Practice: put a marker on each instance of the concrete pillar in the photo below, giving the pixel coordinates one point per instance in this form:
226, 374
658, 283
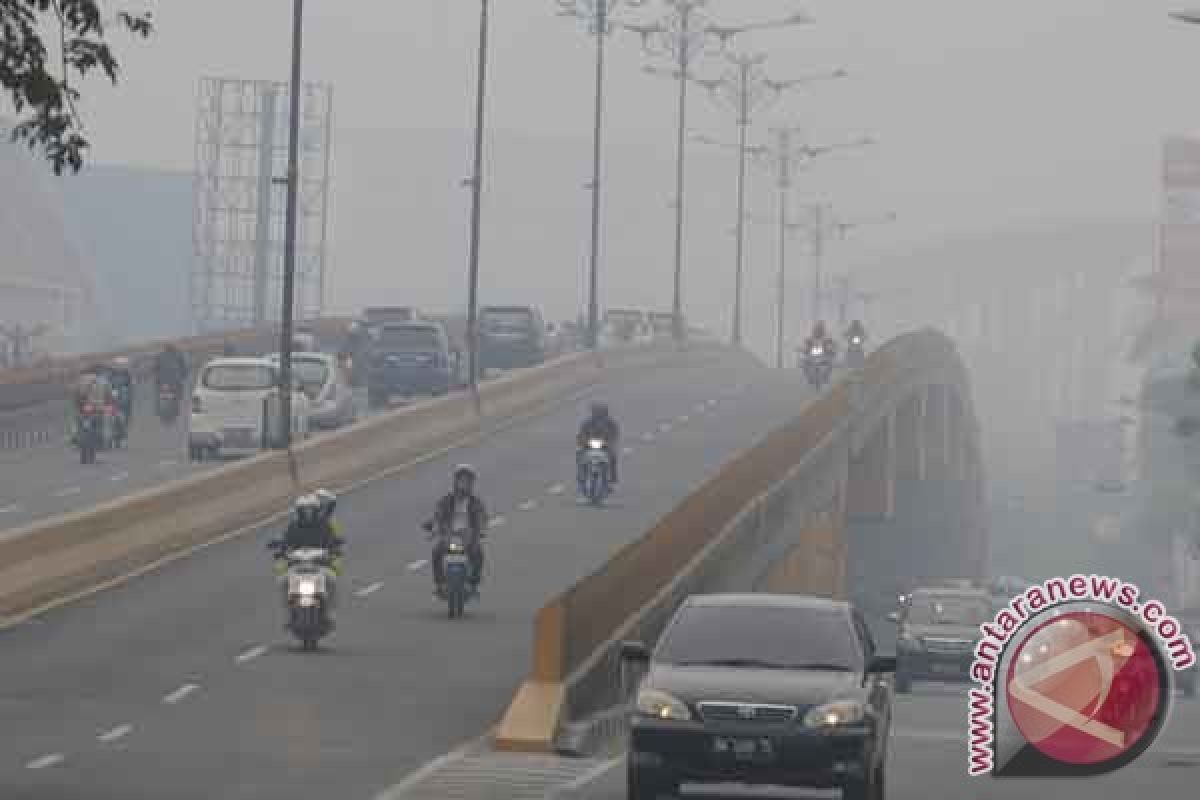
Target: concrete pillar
871, 487
910, 439
937, 434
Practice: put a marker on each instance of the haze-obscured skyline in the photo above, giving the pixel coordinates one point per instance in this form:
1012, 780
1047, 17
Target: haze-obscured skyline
986, 118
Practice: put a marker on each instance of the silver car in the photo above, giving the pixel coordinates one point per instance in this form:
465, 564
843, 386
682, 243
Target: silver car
327, 389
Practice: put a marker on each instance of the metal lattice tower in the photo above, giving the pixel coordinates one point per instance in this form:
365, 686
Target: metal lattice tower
240, 191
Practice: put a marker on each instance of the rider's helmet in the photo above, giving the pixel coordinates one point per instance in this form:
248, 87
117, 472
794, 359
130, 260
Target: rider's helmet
464, 478
306, 509
327, 501
819, 330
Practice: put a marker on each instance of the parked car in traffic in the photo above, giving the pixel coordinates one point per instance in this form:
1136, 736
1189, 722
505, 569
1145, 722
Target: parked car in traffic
511, 337
783, 690
409, 359
230, 407
325, 384
937, 630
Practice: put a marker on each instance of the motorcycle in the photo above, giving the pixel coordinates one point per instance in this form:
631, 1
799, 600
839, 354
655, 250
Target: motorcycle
597, 471
456, 566
168, 404
817, 366
308, 579
856, 355
119, 419
89, 434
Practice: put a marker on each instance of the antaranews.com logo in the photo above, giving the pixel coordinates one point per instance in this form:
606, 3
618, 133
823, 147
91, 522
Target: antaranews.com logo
1074, 678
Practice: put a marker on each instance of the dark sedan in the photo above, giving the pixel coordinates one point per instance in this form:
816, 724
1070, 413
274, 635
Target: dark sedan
761, 689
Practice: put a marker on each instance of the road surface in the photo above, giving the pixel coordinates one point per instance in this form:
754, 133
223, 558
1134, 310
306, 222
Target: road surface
182, 683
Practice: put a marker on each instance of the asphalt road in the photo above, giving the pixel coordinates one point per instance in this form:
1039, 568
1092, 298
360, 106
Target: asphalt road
182, 683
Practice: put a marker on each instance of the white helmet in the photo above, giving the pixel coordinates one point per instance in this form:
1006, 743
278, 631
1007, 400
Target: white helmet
306, 508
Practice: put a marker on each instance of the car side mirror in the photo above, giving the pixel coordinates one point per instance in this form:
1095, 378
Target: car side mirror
634, 653
893, 616
882, 664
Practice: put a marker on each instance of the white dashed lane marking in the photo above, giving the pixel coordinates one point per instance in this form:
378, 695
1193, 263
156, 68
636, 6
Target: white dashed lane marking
45, 761
252, 653
647, 437
120, 476
10, 509
416, 565
116, 733
626, 451
528, 505
496, 522
557, 488
67, 492
180, 693
366, 590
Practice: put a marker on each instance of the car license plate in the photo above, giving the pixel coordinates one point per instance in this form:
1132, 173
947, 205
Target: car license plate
456, 559
742, 749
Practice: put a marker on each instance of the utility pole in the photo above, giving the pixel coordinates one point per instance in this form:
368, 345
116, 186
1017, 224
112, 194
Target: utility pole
682, 35
476, 184
745, 89
289, 245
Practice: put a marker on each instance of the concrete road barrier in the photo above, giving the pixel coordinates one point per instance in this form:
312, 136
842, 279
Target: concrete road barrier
46, 561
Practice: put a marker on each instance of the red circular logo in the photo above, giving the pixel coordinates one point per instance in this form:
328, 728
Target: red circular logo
1085, 688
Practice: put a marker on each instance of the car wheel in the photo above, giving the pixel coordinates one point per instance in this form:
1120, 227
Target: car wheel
640, 785
869, 789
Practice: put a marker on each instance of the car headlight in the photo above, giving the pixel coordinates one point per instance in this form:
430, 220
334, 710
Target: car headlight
306, 588
837, 714
660, 705
455, 547
596, 444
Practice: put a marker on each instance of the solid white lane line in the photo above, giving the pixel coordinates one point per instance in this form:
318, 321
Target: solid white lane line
67, 492
416, 565
115, 733
372, 589
528, 505
591, 775
496, 522
252, 653
45, 761
180, 693
120, 476
557, 488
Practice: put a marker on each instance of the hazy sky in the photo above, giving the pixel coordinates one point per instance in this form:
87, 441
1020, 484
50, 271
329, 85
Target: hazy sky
986, 114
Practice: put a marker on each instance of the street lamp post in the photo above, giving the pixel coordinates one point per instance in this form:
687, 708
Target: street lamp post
783, 157
682, 35
289, 245
476, 184
747, 90
822, 225
598, 15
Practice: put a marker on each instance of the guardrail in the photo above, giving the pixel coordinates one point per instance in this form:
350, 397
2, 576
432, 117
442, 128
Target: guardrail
44, 562
799, 466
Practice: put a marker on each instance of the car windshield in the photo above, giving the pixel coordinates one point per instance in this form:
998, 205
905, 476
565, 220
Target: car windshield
761, 637
949, 610
413, 338
239, 377
511, 319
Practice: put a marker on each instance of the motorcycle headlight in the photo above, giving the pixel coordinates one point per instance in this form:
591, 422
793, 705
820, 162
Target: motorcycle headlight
660, 705
818, 351
596, 444
306, 588
835, 715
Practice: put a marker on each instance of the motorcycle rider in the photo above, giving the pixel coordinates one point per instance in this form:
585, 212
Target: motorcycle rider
328, 503
600, 425
310, 528
856, 330
462, 512
171, 369
90, 389
120, 378
820, 336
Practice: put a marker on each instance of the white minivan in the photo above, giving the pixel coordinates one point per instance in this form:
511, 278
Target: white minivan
229, 405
